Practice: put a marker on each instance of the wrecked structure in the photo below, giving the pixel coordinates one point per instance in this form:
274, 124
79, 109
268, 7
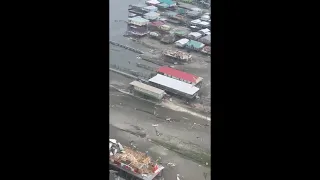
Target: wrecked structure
194, 35
206, 50
152, 16
168, 38
132, 164
194, 45
137, 26
137, 9
206, 39
155, 25
178, 55
182, 42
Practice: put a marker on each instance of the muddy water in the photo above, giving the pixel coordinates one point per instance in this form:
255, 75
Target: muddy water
120, 56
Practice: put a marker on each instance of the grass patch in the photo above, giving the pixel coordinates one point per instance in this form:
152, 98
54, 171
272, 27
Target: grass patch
198, 157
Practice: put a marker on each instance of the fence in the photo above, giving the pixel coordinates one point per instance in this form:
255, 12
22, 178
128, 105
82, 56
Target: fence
126, 47
146, 67
138, 75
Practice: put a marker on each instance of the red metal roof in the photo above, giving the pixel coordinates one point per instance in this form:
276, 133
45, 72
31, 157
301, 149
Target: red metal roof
178, 74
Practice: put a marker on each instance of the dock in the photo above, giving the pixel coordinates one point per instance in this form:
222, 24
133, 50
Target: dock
126, 47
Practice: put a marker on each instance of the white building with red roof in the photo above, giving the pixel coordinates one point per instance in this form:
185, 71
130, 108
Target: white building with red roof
180, 75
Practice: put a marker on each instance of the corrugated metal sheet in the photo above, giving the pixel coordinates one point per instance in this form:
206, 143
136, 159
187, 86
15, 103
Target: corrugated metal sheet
150, 8
138, 19
197, 21
168, 2
174, 84
163, 5
183, 41
195, 34
195, 44
157, 23
178, 74
153, 2
152, 14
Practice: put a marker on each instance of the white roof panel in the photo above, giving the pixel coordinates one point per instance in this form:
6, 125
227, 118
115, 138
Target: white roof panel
153, 1
183, 41
204, 23
174, 84
147, 87
205, 30
196, 34
196, 21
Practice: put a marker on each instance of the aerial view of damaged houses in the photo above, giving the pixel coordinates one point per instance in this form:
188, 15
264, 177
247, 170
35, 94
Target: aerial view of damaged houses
159, 89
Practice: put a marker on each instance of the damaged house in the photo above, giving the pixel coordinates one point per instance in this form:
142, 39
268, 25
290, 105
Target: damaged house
138, 26
194, 45
152, 16
195, 35
168, 38
182, 42
206, 39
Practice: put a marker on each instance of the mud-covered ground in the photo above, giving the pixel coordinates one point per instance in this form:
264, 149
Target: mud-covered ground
185, 137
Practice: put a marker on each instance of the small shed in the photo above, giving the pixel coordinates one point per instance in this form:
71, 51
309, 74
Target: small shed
152, 16
181, 33
132, 15
139, 21
193, 13
171, 14
170, 3
137, 6
150, 9
205, 18
162, 19
162, 6
206, 39
204, 24
165, 27
182, 42
182, 11
204, 31
195, 22
194, 45
194, 35
197, 9
155, 35
168, 39
156, 23
152, 2
206, 50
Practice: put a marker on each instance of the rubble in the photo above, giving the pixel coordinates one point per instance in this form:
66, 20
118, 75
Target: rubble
178, 54
171, 164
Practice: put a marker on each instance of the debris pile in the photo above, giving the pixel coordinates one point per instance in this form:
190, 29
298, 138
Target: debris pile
139, 161
178, 55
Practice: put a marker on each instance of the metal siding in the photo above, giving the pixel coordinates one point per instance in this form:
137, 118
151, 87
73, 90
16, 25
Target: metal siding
174, 84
